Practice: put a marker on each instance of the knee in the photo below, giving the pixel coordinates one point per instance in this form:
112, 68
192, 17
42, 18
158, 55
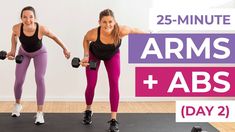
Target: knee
19, 82
114, 89
40, 80
91, 85
90, 88
114, 82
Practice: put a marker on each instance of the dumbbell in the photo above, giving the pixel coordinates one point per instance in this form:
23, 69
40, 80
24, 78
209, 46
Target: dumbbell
197, 129
76, 63
3, 55
18, 59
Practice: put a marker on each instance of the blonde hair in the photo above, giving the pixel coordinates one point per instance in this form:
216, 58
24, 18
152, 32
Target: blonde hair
115, 33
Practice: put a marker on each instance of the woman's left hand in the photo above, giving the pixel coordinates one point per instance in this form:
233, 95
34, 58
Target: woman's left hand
66, 53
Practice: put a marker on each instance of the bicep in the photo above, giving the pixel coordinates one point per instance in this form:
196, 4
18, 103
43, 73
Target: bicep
45, 31
14, 37
15, 33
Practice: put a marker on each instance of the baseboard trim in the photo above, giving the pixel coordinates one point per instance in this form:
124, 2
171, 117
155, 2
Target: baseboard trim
122, 99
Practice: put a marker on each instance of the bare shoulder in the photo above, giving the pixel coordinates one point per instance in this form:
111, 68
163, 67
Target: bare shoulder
42, 27
43, 30
16, 28
91, 35
124, 30
123, 27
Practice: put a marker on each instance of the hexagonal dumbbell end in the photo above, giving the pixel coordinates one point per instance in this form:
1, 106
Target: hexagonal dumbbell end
3, 55
92, 65
19, 59
75, 62
196, 129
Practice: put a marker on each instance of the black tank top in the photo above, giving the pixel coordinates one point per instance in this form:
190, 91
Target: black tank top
30, 43
103, 51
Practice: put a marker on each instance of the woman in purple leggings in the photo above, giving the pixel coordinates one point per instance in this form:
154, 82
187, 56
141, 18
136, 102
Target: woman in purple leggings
30, 34
102, 43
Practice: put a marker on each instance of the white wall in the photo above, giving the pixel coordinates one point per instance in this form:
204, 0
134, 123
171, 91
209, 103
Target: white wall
70, 20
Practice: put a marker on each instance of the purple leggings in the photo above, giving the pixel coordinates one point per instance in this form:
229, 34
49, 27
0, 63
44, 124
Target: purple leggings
113, 69
40, 64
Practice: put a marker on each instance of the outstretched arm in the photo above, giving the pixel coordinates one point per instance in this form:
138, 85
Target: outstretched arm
125, 30
51, 35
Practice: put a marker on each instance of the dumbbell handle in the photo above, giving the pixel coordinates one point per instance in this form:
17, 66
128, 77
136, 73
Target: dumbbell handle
76, 63
86, 63
91, 64
18, 58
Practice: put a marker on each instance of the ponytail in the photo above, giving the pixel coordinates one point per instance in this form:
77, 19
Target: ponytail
116, 35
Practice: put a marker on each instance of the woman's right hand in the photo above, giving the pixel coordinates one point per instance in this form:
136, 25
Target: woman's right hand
11, 55
84, 62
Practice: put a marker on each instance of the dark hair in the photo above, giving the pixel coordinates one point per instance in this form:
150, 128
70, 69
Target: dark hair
30, 8
115, 32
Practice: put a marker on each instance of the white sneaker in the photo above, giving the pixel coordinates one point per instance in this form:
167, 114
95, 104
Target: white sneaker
16, 110
39, 118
